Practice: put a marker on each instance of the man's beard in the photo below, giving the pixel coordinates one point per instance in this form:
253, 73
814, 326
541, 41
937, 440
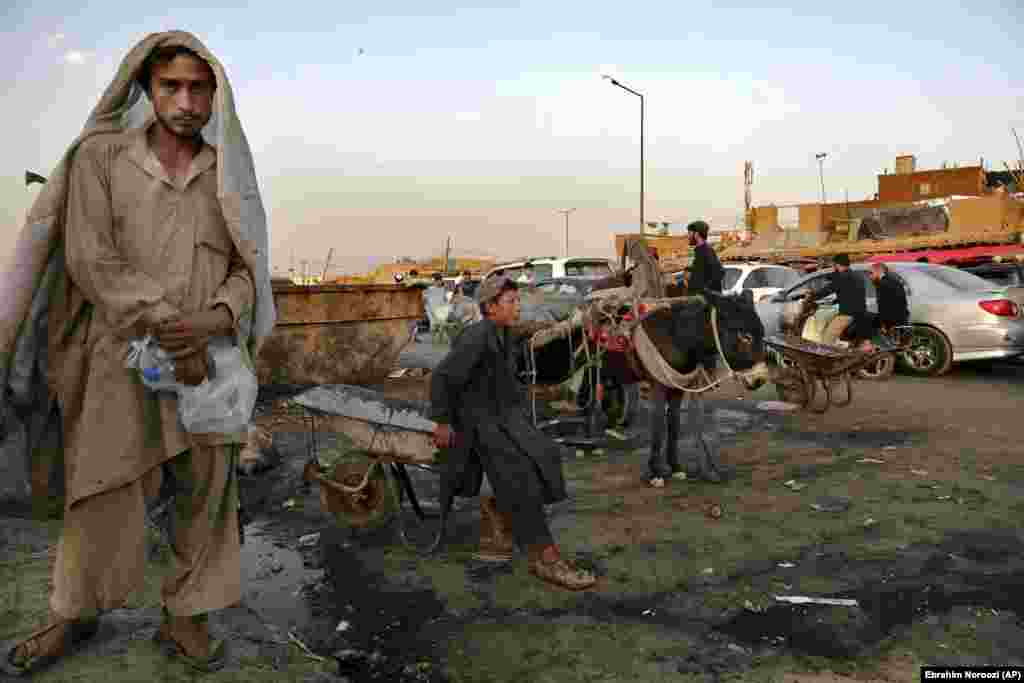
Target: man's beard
693, 241
193, 126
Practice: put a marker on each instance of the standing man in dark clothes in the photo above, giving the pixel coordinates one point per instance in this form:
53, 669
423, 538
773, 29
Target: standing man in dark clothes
706, 273
478, 405
892, 297
852, 298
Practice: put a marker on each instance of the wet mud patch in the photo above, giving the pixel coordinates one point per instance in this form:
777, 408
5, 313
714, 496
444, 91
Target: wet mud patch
924, 586
378, 625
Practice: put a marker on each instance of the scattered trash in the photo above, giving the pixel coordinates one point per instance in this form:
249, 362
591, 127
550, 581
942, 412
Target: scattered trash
786, 565
343, 626
714, 511
988, 477
598, 451
309, 539
648, 612
777, 405
890, 448
920, 473
872, 460
794, 485
751, 607
736, 648
580, 453
289, 504
831, 504
870, 522
805, 600
305, 650
944, 497
615, 435
709, 570
400, 372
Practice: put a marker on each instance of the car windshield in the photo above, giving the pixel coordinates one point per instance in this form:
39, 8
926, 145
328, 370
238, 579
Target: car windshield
732, 276
587, 269
958, 279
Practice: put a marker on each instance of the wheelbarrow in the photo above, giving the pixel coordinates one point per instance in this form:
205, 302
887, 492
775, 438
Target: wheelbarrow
389, 437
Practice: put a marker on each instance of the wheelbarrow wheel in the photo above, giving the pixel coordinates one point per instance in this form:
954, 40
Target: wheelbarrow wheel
372, 506
834, 385
796, 386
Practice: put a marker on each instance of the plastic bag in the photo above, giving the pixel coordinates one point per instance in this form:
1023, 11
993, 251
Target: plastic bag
224, 402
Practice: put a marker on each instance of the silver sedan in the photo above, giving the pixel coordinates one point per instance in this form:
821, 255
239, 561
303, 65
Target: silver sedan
956, 316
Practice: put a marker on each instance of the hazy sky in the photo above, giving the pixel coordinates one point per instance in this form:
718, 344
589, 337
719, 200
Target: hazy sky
381, 128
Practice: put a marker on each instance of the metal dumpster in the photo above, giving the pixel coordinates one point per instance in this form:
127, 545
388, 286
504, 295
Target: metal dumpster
338, 334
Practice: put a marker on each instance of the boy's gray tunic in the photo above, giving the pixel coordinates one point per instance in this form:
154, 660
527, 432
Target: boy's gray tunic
475, 389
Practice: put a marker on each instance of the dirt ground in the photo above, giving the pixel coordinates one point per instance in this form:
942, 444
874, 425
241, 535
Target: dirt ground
918, 491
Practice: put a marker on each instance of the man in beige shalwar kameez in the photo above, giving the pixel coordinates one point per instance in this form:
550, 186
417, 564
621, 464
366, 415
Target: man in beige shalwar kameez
149, 249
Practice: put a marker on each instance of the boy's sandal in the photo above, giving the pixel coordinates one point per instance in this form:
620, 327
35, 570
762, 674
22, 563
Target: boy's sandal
563, 574
78, 631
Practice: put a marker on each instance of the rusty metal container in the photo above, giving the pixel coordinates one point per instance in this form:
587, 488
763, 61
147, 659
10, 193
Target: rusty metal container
338, 334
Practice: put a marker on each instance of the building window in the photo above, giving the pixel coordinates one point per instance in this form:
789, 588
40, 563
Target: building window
924, 188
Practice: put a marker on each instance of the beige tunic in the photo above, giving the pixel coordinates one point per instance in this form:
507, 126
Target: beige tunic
141, 248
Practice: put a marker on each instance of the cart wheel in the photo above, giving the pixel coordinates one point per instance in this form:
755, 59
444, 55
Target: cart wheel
795, 386
879, 369
822, 406
371, 507
846, 381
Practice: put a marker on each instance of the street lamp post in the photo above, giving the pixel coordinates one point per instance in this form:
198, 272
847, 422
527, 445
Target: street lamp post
566, 212
614, 82
821, 172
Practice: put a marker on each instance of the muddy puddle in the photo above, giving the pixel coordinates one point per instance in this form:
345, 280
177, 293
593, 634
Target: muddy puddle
277, 577
970, 573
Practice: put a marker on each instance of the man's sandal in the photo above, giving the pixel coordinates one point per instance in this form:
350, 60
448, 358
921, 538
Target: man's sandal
561, 573
215, 661
33, 659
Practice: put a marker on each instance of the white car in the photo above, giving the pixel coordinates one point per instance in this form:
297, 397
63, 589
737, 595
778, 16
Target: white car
762, 279
553, 267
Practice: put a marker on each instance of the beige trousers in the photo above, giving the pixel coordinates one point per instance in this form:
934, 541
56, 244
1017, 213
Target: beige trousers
835, 328
101, 556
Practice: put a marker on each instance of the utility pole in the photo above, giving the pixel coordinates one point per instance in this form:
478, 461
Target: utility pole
821, 171
643, 219
566, 212
327, 264
447, 253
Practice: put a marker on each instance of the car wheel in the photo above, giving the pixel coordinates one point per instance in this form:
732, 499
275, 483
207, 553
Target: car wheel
879, 369
930, 353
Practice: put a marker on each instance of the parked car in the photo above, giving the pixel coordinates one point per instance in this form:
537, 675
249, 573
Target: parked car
553, 267
956, 316
1004, 274
762, 279
578, 287
555, 298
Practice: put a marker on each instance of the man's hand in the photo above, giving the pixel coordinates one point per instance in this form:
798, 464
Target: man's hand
443, 436
191, 370
186, 335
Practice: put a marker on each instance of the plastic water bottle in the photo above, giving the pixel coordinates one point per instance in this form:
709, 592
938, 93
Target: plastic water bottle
154, 366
